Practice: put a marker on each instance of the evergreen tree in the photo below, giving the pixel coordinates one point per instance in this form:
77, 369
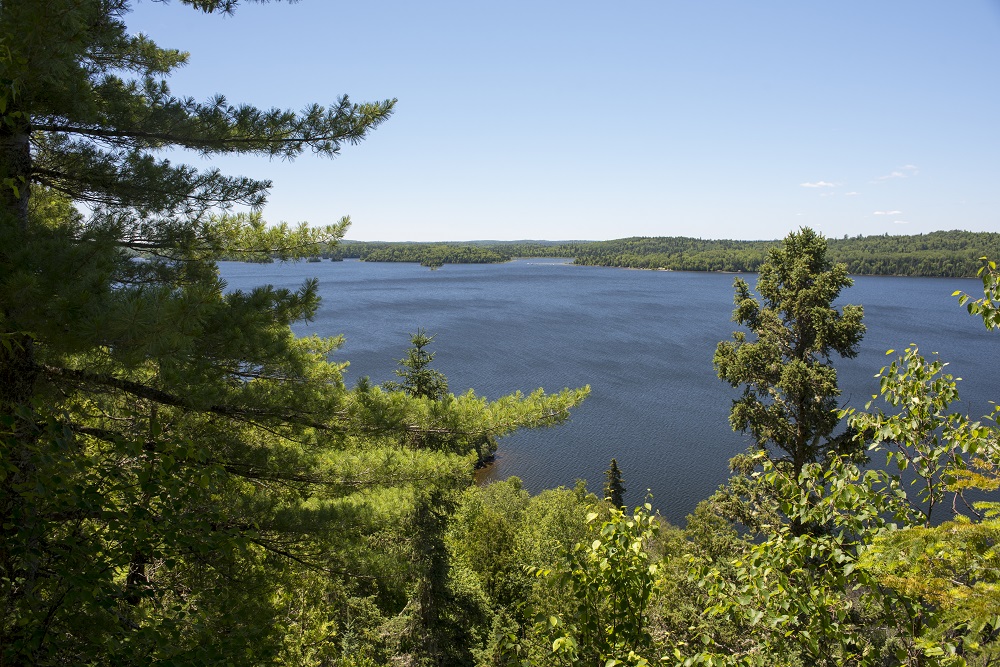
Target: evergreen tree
174, 462
418, 378
614, 485
447, 618
880, 561
786, 371
431, 560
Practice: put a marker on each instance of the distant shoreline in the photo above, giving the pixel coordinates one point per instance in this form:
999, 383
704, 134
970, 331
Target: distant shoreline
945, 254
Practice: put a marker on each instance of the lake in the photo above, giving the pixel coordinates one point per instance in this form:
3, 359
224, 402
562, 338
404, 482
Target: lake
643, 340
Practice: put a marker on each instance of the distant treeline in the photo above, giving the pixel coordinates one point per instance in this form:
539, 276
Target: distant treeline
949, 254
427, 254
953, 253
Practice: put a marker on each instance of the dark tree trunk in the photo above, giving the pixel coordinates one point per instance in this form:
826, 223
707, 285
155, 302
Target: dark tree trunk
17, 363
19, 523
15, 168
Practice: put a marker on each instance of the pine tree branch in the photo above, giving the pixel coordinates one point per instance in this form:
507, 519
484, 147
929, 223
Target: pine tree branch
251, 415
302, 561
189, 189
219, 127
359, 482
192, 142
165, 398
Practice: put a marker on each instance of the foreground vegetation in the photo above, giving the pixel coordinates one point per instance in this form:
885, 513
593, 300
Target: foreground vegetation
947, 254
185, 482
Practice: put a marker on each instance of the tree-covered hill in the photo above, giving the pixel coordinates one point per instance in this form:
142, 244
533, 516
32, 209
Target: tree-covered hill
951, 253
944, 253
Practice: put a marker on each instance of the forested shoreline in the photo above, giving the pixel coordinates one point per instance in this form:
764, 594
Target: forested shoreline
937, 254
184, 481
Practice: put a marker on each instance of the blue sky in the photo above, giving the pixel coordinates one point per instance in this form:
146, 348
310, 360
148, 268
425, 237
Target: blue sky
598, 120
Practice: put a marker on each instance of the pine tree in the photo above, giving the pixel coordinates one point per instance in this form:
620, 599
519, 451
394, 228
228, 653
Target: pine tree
788, 378
172, 457
614, 485
418, 378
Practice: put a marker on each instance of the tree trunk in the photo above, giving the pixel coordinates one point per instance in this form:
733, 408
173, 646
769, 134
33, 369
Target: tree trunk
15, 167
20, 526
17, 360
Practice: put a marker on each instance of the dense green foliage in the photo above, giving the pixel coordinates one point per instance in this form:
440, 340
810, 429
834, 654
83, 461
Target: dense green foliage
842, 567
610, 582
185, 482
987, 307
785, 370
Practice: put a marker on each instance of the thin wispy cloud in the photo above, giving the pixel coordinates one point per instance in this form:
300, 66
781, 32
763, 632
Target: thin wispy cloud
818, 184
903, 172
851, 194
886, 212
900, 222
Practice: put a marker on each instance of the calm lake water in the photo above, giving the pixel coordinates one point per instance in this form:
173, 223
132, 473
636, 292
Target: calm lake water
643, 340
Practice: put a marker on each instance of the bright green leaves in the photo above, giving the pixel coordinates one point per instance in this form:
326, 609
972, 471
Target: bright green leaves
988, 307
949, 571
954, 566
609, 579
463, 424
14, 185
859, 553
920, 434
798, 591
